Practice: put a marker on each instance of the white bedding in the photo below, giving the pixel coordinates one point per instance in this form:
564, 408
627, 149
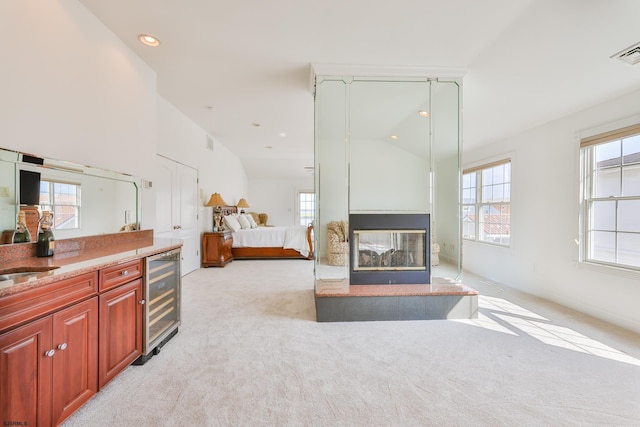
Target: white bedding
292, 237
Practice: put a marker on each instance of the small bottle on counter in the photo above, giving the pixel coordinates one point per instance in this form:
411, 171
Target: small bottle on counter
21, 235
46, 242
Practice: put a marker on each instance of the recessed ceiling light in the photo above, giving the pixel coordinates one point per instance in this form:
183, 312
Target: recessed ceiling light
394, 137
282, 134
149, 40
423, 113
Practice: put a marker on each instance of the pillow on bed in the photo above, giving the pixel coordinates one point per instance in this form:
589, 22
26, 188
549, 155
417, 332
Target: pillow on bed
252, 222
232, 223
244, 222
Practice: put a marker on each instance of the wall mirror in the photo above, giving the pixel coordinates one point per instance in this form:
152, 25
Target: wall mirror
387, 145
85, 200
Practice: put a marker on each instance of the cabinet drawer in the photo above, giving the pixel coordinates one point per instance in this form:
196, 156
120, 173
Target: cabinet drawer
111, 277
41, 300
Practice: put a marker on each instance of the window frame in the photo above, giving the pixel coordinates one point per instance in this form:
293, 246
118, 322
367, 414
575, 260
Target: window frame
51, 204
298, 214
588, 196
479, 204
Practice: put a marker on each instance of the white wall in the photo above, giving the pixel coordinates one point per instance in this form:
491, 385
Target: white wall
72, 90
219, 171
8, 197
543, 257
277, 198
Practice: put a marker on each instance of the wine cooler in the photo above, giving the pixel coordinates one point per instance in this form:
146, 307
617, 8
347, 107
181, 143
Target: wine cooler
162, 308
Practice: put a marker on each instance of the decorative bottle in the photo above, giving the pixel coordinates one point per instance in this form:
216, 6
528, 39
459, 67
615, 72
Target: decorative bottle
46, 241
21, 235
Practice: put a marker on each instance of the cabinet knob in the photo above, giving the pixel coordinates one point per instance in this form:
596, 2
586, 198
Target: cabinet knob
50, 353
62, 346
125, 273
177, 227
142, 302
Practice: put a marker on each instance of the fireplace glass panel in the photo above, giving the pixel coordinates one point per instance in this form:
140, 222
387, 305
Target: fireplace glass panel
389, 250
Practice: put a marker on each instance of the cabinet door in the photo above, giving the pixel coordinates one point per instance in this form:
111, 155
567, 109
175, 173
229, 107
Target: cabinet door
120, 329
216, 249
211, 254
75, 364
25, 369
226, 247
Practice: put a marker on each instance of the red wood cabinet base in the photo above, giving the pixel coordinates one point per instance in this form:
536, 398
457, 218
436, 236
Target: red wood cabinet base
216, 249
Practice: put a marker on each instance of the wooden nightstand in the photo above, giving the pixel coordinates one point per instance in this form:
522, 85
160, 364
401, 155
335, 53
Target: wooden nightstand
216, 248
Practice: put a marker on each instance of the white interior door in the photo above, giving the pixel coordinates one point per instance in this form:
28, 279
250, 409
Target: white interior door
176, 208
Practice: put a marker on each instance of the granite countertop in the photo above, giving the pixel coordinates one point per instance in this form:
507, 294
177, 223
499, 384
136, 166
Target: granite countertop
74, 263
439, 287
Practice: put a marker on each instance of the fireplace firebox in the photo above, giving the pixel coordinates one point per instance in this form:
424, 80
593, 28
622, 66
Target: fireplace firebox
389, 249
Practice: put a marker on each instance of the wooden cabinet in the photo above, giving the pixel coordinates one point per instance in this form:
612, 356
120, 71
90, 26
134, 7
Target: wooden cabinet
25, 389
62, 341
216, 249
18, 308
49, 366
75, 362
111, 277
120, 321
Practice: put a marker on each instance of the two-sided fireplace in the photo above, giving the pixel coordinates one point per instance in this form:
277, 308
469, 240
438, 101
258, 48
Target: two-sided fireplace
389, 249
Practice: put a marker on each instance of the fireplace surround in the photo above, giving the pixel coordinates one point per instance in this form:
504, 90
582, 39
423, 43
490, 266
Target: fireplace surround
389, 249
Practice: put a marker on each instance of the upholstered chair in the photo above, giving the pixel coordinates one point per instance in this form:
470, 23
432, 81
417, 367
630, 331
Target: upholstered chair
260, 218
337, 243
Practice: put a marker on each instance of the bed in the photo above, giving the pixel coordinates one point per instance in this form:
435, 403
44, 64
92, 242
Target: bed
271, 241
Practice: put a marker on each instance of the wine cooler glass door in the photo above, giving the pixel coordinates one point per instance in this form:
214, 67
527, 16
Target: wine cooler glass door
163, 297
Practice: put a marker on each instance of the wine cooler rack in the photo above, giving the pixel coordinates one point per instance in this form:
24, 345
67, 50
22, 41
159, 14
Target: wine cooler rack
162, 308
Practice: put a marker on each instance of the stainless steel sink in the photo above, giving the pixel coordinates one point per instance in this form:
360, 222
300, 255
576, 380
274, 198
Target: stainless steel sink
17, 272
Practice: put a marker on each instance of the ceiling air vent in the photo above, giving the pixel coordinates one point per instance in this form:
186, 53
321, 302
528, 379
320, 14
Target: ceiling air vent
630, 55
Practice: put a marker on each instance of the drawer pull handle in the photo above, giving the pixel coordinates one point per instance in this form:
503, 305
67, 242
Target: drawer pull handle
125, 272
62, 346
50, 353
142, 302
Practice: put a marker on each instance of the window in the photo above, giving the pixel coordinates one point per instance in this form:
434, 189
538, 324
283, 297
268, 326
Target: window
486, 203
611, 198
63, 200
306, 207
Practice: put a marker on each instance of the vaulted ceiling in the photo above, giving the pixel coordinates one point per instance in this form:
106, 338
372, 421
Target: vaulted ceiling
231, 65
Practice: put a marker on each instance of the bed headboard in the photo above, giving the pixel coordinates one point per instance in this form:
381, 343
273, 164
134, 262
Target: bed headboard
228, 210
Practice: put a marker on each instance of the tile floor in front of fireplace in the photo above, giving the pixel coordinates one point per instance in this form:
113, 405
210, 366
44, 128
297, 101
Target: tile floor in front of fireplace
337, 300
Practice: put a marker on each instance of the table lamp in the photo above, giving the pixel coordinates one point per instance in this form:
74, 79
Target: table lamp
242, 203
216, 201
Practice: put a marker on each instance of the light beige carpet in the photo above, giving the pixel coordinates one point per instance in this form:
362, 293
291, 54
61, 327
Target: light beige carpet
249, 353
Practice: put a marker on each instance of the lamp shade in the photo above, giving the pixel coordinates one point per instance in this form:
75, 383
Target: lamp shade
216, 200
242, 203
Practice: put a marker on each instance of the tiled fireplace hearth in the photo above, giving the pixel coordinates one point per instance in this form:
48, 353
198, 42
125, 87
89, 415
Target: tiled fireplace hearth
390, 277
337, 301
